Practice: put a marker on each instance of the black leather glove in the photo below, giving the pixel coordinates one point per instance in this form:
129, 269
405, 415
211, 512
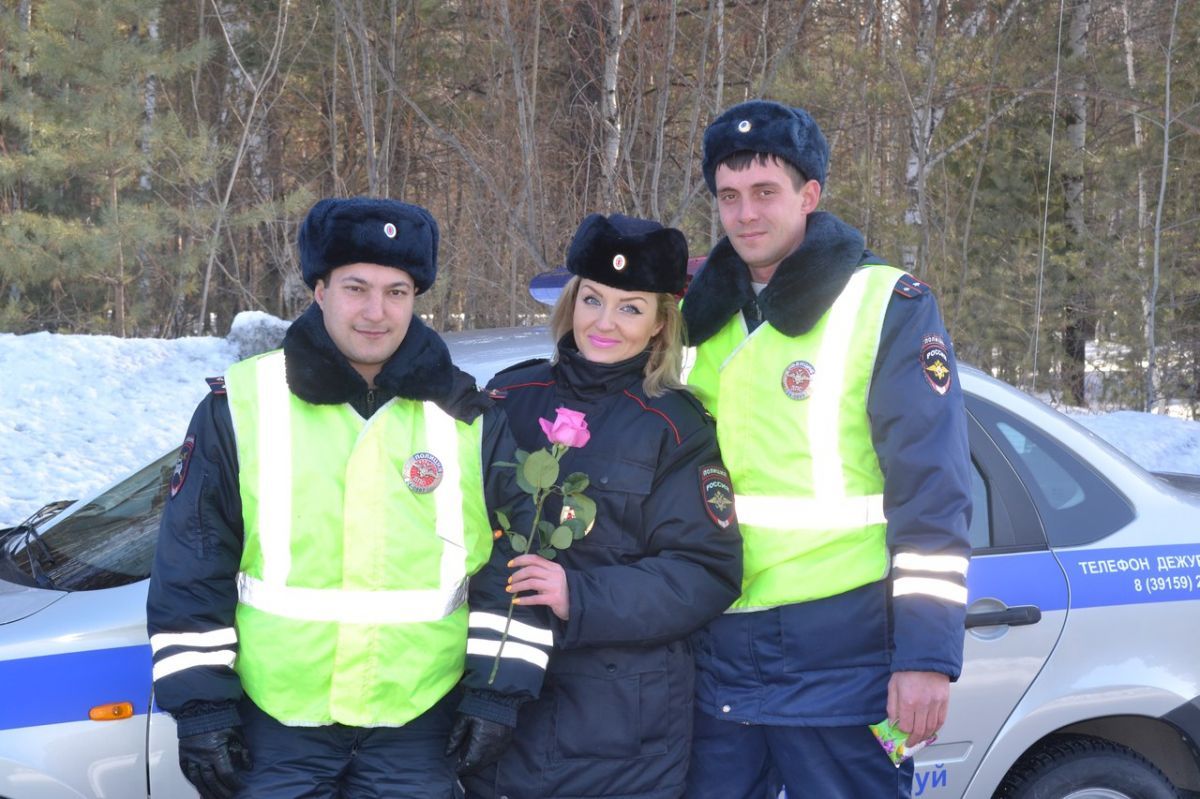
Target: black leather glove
477, 742
211, 761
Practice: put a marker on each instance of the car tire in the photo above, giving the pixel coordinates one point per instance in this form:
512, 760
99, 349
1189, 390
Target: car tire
1084, 767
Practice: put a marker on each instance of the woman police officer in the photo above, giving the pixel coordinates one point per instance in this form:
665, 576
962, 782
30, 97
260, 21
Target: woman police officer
612, 713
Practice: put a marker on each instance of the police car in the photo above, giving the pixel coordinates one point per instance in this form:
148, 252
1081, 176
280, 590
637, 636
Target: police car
1082, 671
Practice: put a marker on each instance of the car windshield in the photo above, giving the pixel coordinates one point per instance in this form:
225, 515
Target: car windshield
106, 542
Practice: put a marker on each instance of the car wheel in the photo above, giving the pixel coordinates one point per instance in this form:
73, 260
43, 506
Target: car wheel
1084, 767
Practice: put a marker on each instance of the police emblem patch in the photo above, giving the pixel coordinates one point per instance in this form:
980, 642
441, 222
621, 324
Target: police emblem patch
179, 473
619, 262
423, 473
797, 379
744, 126
935, 363
717, 490
389, 230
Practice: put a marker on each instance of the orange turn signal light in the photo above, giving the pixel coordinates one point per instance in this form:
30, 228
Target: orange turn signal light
111, 711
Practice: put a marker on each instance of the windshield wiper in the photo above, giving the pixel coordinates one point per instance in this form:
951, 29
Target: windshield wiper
38, 554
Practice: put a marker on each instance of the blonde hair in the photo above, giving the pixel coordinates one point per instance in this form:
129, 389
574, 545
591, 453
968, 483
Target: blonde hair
666, 346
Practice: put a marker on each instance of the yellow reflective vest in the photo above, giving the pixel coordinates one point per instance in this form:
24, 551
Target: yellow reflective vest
360, 535
796, 439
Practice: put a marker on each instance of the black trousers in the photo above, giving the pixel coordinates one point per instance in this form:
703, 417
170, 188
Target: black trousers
340, 762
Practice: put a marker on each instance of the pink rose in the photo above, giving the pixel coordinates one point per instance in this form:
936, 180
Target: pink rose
568, 428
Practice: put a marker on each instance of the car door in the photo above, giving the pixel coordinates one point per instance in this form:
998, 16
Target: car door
1016, 608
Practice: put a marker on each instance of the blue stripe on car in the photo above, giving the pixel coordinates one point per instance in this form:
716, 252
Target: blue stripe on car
1097, 577
53, 689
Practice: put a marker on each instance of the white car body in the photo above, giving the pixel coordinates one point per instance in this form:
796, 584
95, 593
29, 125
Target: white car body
1088, 565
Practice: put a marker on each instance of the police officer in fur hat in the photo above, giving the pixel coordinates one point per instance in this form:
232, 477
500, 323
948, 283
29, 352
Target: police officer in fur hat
613, 716
306, 610
839, 414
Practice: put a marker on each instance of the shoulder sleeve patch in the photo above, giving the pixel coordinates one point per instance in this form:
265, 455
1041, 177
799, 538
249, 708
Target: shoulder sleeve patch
935, 363
216, 384
909, 286
180, 472
716, 489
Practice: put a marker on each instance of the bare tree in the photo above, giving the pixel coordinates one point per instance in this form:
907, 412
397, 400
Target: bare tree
1152, 377
251, 131
1078, 321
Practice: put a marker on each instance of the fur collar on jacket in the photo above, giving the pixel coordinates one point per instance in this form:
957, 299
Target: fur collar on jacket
798, 294
420, 369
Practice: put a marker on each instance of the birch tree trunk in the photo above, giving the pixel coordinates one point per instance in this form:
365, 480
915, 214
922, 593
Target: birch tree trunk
1152, 377
922, 123
717, 9
610, 114
1079, 325
251, 140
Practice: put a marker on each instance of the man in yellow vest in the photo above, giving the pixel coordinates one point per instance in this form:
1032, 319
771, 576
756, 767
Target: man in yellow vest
842, 424
307, 606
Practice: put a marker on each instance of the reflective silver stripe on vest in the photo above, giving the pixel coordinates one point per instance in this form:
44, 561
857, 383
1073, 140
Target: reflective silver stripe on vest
796, 513
689, 363
441, 436
828, 387
271, 594
350, 607
275, 468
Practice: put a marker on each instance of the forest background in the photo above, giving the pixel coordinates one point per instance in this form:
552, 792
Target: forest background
1036, 162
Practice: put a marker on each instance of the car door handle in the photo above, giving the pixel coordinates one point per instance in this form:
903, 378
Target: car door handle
1014, 616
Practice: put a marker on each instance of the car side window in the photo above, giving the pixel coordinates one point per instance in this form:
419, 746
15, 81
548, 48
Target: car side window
1075, 504
980, 531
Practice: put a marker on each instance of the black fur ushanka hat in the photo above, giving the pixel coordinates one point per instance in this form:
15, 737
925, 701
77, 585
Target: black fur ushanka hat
763, 126
368, 230
629, 253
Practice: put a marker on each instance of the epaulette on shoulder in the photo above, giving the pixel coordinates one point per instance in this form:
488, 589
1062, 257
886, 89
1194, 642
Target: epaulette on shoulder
216, 384
521, 365
909, 286
692, 400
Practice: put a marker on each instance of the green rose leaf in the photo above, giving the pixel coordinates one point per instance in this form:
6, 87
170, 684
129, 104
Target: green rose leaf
585, 508
562, 537
521, 455
540, 469
519, 542
575, 482
502, 517
524, 484
547, 553
576, 527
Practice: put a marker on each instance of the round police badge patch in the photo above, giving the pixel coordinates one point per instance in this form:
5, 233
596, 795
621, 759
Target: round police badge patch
744, 126
179, 473
935, 363
797, 379
717, 490
619, 262
389, 230
423, 473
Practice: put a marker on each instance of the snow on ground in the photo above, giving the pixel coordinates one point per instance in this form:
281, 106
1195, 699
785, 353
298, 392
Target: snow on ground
77, 412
